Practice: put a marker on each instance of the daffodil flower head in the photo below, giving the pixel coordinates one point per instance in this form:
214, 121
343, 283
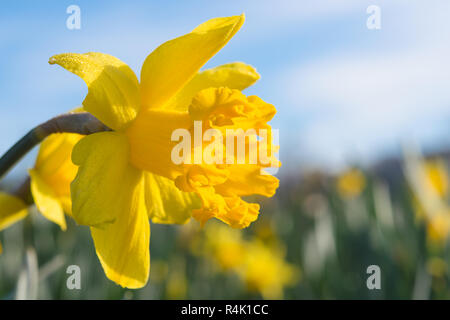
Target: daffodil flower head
50, 180
127, 176
51, 177
351, 183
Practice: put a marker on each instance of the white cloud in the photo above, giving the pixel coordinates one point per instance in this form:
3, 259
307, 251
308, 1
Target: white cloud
367, 99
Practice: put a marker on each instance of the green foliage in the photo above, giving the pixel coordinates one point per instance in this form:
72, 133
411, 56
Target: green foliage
331, 238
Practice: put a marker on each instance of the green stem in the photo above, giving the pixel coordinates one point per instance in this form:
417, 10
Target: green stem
82, 123
17, 151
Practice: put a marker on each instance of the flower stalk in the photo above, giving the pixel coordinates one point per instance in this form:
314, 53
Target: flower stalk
82, 123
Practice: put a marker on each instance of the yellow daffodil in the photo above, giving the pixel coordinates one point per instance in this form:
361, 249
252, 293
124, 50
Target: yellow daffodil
51, 177
127, 175
12, 209
438, 226
265, 270
437, 175
225, 245
260, 266
49, 183
439, 220
351, 183
428, 179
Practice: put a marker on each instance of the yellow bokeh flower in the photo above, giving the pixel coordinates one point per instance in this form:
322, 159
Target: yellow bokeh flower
49, 183
265, 270
351, 183
127, 175
428, 179
51, 177
437, 175
260, 266
438, 226
12, 209
225, 245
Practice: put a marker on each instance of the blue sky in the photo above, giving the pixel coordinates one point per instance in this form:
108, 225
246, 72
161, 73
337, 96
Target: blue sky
343, 93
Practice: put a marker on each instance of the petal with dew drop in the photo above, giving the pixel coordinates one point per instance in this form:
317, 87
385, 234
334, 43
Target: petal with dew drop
113, 95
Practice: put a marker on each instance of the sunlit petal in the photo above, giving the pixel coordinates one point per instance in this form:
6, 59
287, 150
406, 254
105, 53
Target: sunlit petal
123, 246
113, 95
168, 68
104, 178
46, 200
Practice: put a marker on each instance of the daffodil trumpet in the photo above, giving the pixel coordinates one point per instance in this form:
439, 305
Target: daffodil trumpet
82, 123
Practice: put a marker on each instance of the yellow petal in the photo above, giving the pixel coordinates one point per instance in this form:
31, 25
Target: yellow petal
51, 177
166, 203
54, 163
235, 75
113, 95
12, 209
123, 246
104, 178
168, 68
46, 200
